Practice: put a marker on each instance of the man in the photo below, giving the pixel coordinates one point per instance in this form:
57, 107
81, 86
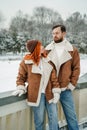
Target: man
68, 69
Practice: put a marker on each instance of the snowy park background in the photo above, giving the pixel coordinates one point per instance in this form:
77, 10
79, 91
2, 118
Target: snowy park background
9, 68
22, 22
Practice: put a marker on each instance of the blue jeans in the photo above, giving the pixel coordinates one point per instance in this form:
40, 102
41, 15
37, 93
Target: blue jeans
39, 113
67, 103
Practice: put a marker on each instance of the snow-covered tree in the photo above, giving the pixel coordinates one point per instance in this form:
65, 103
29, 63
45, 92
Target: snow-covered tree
2, 18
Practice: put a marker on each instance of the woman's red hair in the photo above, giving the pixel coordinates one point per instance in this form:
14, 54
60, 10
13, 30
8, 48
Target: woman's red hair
35, 55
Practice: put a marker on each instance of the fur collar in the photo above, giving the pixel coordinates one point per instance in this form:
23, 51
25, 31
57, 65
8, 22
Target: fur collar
66, 45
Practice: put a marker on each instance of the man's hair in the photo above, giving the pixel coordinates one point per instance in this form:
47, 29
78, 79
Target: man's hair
63, 28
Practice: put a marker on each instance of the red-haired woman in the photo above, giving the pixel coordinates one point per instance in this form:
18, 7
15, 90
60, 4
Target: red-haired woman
43, 90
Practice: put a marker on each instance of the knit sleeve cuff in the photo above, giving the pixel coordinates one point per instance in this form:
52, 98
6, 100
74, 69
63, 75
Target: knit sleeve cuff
71, 86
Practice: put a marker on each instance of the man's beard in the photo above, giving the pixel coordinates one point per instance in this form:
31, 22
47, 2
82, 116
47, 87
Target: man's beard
57, 41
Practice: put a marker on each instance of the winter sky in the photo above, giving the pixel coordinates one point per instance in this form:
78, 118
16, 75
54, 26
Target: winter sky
64, 7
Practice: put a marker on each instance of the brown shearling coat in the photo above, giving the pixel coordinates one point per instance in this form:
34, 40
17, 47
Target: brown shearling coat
67, 62
33, 79
70, 70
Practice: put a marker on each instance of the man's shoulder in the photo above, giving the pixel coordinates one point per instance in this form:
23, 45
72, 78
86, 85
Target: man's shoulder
74, 48
49, 46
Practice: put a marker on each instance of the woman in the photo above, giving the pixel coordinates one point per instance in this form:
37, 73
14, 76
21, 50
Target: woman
43, 88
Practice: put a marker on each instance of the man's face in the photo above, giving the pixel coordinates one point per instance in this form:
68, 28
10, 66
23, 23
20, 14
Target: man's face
58, 35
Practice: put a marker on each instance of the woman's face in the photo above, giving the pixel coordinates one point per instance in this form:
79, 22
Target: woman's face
42, 49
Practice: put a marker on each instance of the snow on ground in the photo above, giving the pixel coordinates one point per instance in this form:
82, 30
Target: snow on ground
8, 73
9, 69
